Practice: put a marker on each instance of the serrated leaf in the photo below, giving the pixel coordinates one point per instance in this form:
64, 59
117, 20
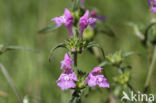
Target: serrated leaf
93, 44
54, 48
75, 5
51, 27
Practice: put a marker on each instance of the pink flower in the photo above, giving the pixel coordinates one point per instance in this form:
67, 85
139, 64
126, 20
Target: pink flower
97, 17
152, 4
85, 21
67, 62
96, 78
94, 15
66, 80
153, 9
66, 19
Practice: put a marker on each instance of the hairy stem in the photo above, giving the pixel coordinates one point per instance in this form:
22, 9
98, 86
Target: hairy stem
75, 62
76, 94
151, 69
11, 83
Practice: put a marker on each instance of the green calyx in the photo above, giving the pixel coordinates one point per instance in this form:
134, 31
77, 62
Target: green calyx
76, 44
116, 58
81, 80
122, 78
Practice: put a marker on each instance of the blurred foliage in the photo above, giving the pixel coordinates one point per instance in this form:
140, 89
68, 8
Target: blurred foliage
35, 77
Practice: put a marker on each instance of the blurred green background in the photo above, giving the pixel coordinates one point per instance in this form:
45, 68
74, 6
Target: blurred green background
34, 76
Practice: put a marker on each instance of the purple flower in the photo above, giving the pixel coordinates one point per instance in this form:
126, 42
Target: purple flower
153, 9
96, 78
66, 80
85, 21
67, 62
94, 15
66, 19
152, 4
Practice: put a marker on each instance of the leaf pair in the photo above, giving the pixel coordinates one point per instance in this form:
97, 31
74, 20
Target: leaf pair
67, 45
115, 59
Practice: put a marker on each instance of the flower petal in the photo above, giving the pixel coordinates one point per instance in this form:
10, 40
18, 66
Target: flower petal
64, 85
69, 21
83, 22
59, 20
92, 82
102, 82
67, 62
153, 9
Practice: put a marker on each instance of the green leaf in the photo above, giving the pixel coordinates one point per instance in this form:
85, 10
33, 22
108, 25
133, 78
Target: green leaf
93, 44
51, 27
128, 54
103, 64
75, 5
106, 29
20, 48
147, 33
54, 48
4, 48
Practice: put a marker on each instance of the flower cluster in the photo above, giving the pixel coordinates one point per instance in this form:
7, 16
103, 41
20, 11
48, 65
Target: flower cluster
68, 78
96, 78
67, 20
152, 4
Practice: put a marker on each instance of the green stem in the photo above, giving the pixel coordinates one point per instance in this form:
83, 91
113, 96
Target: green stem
75, 63
151, 69
76, 95
11, 83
